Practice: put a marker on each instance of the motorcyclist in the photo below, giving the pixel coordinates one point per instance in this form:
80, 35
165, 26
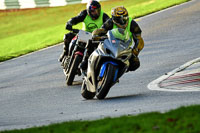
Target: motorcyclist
120, 19
92, 17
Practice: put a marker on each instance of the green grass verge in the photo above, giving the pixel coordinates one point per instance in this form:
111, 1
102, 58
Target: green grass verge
25, 31
182, 120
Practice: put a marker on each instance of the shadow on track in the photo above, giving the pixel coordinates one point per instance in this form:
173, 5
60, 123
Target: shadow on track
131, 96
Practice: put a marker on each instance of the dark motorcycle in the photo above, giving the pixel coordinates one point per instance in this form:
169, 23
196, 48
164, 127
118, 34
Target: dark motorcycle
107, 64
76, 49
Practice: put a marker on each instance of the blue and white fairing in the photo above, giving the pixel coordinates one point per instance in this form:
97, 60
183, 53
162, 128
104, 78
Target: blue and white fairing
116, 50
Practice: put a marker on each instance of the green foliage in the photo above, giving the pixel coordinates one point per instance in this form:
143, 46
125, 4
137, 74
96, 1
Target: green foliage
25, 31
182, 120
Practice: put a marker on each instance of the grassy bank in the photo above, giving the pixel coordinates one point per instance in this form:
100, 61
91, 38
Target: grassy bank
25, 31
182, 120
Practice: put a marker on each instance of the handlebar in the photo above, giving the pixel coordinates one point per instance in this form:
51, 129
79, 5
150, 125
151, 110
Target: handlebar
74, 30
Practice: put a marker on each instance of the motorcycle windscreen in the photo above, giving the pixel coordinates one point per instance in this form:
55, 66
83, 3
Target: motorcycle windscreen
117, 43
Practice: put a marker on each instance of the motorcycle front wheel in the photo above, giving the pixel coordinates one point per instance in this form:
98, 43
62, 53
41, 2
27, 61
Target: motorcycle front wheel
104, 85
73, 69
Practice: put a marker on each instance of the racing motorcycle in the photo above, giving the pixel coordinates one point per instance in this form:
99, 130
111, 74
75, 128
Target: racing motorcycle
76, 52
107, 64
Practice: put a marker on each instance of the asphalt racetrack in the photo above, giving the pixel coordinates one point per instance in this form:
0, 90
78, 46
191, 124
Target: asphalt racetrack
33, 90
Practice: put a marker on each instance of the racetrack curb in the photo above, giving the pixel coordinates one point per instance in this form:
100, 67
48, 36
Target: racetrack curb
154, 85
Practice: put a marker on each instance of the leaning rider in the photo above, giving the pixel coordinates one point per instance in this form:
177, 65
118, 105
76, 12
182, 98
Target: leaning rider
120, 19
92, 17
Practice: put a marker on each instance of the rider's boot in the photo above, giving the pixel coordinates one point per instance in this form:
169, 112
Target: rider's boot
134, 64
84, 64
65, 50
62, 56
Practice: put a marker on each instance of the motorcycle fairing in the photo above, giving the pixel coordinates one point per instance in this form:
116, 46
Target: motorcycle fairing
110, 50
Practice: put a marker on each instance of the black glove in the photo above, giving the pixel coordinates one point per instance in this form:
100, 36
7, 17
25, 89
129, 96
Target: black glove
75, 30
68, 26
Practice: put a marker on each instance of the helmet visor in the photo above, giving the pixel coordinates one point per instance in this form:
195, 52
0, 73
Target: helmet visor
94, 12
121, 20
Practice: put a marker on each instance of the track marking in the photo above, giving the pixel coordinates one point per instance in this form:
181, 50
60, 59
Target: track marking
179, 85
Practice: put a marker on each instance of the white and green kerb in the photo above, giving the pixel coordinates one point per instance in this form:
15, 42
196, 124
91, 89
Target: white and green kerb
20, 4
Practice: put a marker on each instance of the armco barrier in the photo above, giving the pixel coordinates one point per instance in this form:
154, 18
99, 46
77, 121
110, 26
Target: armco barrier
20, 4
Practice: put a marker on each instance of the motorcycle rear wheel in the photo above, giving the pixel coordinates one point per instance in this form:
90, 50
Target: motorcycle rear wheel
73, 69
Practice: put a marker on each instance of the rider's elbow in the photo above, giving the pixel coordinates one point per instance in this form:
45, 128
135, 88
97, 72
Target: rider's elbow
141, 43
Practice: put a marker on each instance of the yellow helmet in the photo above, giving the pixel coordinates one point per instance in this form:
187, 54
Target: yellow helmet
120, 16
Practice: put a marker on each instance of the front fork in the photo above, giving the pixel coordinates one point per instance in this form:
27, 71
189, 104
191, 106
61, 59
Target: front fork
76, 51
103, 69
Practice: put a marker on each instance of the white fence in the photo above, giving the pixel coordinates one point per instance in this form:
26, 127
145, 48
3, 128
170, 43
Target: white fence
20, 4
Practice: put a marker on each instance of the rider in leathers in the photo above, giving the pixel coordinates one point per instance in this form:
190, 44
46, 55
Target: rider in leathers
120, 19
92, 17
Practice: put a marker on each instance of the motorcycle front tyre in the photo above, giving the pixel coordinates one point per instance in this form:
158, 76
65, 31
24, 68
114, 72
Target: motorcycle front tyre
73, 69
106, 82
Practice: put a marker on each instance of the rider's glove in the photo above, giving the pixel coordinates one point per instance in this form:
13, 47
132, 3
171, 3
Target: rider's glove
99, 32
96, 37
68, 26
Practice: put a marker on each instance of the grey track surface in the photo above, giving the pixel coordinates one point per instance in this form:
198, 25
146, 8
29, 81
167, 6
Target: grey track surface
33, 90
